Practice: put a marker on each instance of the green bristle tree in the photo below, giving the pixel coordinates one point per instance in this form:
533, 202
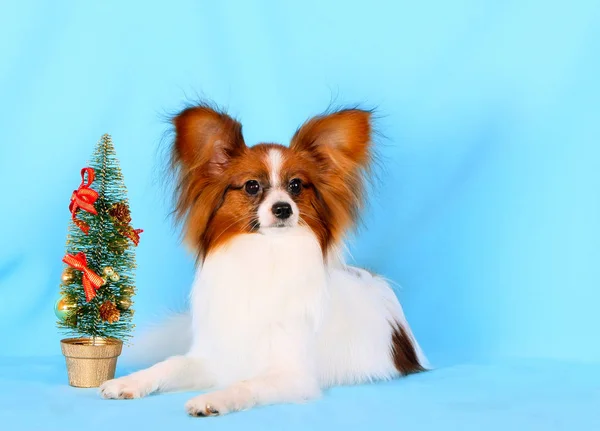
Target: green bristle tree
100, 229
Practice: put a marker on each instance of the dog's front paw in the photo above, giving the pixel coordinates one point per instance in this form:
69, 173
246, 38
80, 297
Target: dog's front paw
219, 403
124, 388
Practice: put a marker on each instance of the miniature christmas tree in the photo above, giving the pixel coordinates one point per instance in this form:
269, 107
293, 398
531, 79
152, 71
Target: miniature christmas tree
98, 280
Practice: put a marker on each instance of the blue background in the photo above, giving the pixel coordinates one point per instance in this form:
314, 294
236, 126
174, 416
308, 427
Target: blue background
487, 213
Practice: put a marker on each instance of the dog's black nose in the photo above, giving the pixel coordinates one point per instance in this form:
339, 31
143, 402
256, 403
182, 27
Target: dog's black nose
282, 210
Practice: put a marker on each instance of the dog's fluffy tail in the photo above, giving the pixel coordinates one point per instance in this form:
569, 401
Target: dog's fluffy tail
156, 342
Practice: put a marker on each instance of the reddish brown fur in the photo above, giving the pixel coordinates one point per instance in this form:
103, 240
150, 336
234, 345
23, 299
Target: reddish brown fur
339, 149
403, 352
328, 153
313, 209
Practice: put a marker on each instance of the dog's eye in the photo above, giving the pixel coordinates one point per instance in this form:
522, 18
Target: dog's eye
252, 187
295, 186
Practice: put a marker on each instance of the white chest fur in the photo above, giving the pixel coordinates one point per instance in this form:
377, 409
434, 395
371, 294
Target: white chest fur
254, 294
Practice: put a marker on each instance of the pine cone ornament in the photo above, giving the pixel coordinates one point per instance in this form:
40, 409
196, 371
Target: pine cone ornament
109, 312
121, 212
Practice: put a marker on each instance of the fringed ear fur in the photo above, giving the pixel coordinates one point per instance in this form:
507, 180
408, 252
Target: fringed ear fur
342, 138
339, 144
206, 141
206, 137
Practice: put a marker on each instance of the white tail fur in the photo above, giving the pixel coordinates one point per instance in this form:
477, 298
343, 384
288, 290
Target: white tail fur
156, 342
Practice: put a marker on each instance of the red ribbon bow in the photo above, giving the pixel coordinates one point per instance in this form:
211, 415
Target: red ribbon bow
91, 280
84, 198
134, 235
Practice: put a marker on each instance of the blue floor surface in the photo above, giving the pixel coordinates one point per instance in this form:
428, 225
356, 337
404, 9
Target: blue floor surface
529, 395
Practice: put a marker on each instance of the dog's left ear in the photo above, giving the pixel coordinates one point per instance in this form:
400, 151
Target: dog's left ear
339, 147
341, 140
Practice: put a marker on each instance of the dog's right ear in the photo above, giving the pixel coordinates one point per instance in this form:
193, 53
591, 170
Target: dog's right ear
206, 139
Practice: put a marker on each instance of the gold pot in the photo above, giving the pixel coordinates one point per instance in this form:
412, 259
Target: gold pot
90, 361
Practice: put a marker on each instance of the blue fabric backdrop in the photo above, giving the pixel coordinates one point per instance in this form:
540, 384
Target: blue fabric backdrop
487, 214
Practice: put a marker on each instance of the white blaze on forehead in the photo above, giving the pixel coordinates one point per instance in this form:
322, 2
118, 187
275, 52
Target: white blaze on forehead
276, 193
274, 159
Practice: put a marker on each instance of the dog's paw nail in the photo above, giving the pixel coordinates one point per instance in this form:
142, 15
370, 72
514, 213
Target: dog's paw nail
207, 411
210, 409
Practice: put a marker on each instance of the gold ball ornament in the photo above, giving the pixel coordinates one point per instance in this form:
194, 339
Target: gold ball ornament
63, 307
124, 303
127, 291
67, 276
114, 277
108, 271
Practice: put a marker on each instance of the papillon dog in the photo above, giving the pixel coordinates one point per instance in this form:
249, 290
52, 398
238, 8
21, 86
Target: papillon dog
276, 315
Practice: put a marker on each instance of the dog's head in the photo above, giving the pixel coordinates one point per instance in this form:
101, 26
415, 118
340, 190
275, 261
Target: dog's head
225, 188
